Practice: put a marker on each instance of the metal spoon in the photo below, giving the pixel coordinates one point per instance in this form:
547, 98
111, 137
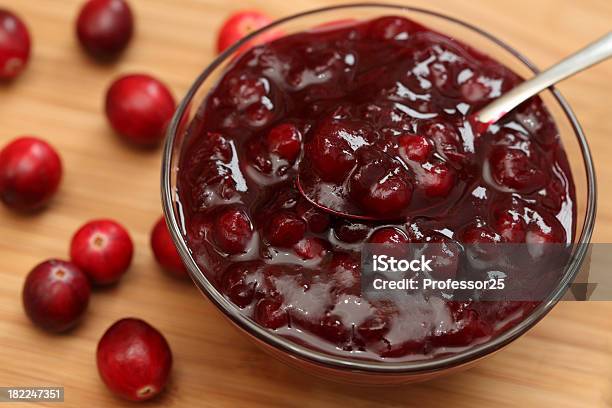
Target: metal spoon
590, 55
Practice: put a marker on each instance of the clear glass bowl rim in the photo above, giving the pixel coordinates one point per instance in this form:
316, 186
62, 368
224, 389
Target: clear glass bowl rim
347, 363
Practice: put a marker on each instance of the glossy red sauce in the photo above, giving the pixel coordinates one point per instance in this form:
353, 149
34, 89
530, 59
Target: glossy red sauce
324, 104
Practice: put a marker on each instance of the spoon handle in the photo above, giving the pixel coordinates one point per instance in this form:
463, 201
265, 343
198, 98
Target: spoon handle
590, 55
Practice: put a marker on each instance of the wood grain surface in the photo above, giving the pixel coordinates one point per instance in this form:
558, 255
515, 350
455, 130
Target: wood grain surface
565, 361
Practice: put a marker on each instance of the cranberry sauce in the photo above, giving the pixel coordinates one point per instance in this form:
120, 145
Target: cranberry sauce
327, 104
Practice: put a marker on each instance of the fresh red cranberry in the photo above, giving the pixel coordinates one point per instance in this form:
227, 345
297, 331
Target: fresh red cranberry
512, 168
379, 191
388, 235
134, 359
103, 249
139, 108
414, 147
56, 295
436, 180
511, 227
233, 231
284, 140
285, 230
165, 251
14, 45
330, 149
241, 24
310, 248
393, 28
270, 313
30, 173
239, 282
317, 220
105, 27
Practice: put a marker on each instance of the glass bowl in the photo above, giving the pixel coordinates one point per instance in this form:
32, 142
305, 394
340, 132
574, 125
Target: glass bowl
345, 368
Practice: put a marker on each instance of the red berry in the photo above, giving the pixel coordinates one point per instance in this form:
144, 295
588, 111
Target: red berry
103, 249
105, 27
56, 295
330, 151
388, 235
414, 147
270, 313
512, 168
436, 180
241, 24
379, 191
30, 173
134, 359
139, 108
14, 45
164, 250
284, 140
233, 231
285, 230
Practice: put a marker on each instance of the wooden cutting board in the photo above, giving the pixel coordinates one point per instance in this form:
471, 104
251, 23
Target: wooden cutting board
566, 361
